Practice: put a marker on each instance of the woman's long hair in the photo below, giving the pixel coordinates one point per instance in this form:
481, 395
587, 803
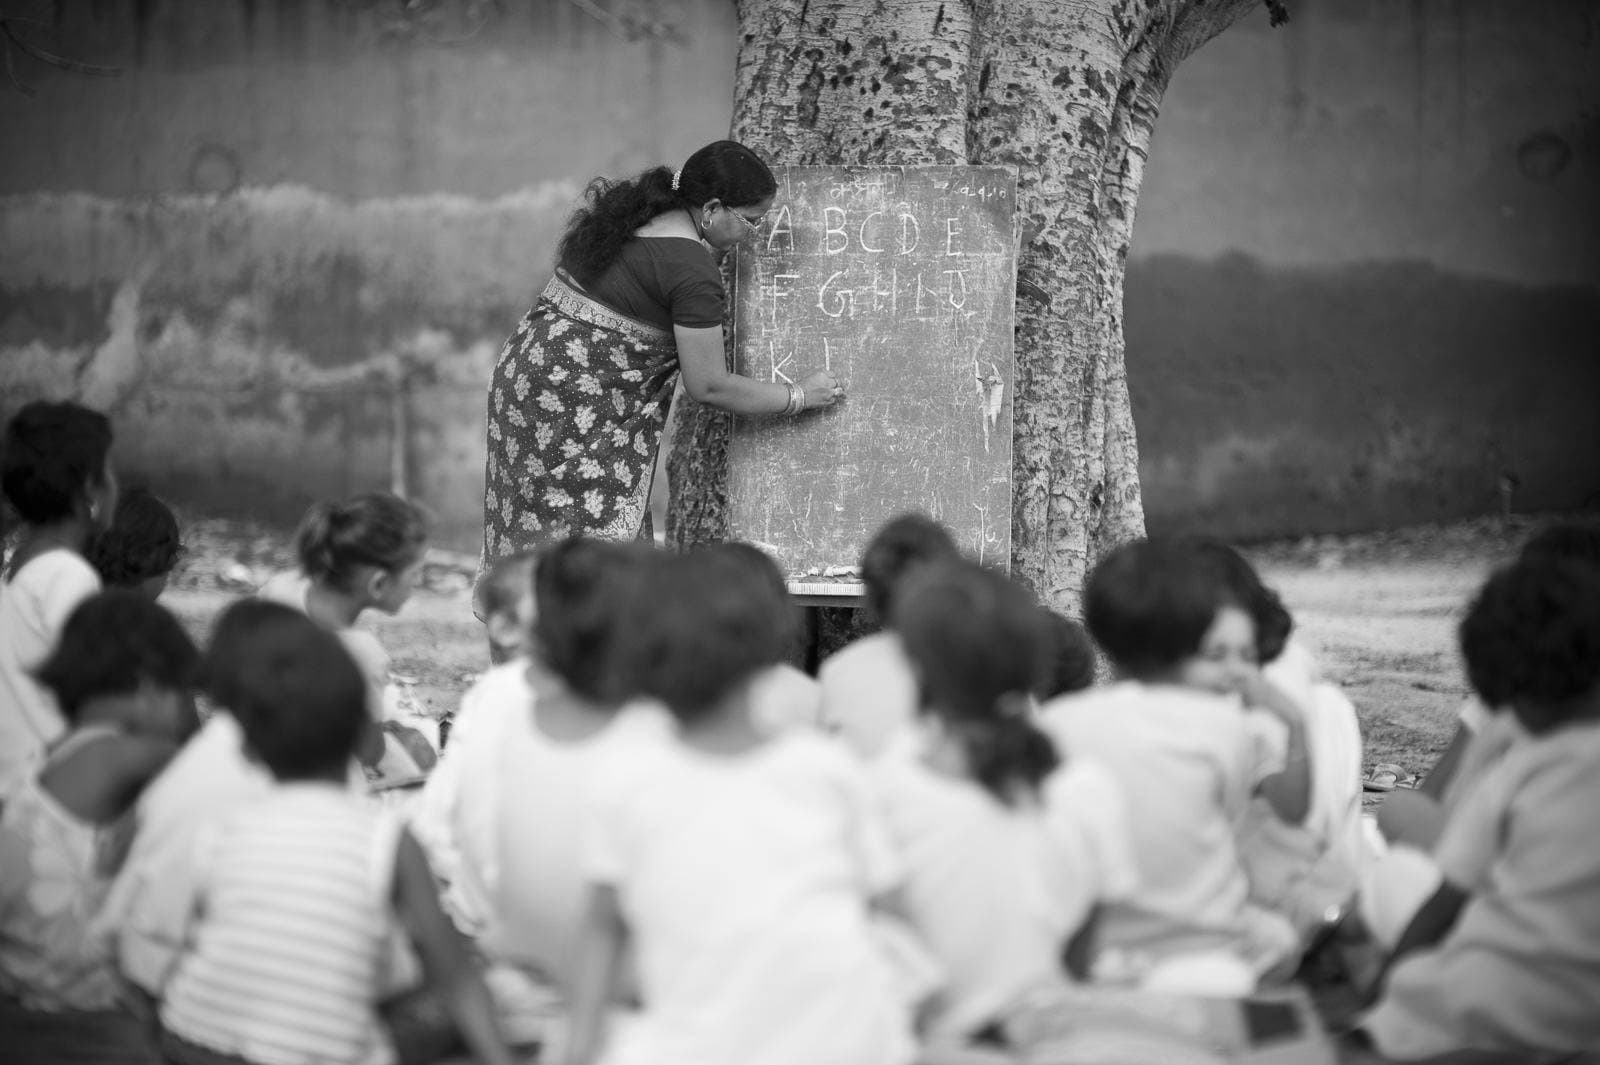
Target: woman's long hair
613, 210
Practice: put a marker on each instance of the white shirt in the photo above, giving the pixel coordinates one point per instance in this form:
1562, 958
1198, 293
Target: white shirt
869, 692
996, 891
501, 817
1188, 762
292, 933
208, 779
744, 881
34, 607
291, 590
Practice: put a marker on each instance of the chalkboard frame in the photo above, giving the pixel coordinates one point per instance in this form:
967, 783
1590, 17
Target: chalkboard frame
815, 209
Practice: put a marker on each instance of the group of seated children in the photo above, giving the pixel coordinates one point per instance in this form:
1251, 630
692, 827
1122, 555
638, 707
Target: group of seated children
651, 841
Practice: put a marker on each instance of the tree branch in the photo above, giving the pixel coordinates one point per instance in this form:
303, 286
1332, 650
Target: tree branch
1198, 21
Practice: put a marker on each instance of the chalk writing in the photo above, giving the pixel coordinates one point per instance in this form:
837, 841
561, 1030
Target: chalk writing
901, 281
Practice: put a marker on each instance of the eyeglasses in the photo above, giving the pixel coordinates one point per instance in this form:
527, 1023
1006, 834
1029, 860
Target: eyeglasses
752, 227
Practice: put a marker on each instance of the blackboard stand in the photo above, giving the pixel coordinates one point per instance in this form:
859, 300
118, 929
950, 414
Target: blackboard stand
812, 597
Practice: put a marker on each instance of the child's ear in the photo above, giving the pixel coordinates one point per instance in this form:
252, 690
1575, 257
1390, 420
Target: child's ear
378, 581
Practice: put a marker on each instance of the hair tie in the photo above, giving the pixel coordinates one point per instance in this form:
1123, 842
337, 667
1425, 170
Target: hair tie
677, 176
1015, 705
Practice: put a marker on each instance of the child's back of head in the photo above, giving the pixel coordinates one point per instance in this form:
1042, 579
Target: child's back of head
121, 643
581, 586
1568, 541
295, 691
363, 546
140, 548
1072, 663
504, 599
1150, 603
980, 647
904, 543
54, 464
1531, 641
699, 626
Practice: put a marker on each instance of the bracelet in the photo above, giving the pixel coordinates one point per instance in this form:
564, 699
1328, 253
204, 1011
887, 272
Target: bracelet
797, 399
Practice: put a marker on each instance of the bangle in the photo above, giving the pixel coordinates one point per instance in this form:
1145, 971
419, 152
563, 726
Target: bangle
797, 399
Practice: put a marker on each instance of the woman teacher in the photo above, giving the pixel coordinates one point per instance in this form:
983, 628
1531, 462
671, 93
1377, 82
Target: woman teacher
581, 390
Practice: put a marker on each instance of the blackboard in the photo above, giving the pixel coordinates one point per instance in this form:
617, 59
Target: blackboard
902, 281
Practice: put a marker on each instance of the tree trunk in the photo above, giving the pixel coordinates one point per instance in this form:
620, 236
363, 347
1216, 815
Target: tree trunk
1068, 93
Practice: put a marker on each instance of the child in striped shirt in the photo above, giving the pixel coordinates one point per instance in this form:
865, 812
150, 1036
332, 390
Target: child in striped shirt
299, 897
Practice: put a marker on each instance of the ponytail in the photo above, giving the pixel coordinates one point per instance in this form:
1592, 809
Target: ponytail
979, 644
376, 529
726, 171
1006, 752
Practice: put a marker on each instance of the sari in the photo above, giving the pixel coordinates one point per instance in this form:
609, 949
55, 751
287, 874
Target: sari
577, 404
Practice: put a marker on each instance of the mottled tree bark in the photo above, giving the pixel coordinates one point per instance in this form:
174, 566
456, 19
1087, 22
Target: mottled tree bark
1067, 91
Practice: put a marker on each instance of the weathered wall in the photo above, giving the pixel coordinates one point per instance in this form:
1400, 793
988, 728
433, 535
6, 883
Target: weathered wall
1363, 287
278, 213
1365, 282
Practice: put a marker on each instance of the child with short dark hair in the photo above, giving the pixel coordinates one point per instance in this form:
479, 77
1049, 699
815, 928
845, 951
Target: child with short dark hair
1072, 662
299, 896
1306, 869
784, 696
141, 546
55, 472
1190, 761
504, 599
1484, 730
1505, 957
122, 674
737, 865
363, 554
1009, 846
500, 815
868, 692
207, 780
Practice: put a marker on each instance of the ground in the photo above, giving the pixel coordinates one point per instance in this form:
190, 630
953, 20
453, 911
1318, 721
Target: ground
1379, 610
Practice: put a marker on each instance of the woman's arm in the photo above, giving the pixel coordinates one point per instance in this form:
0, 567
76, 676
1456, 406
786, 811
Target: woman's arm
444, 955
707, 380
600, 947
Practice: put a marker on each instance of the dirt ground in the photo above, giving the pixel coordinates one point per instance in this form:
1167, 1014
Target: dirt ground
1379, 610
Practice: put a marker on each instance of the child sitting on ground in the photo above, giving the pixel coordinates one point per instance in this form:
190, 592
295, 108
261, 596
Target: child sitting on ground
504, 599
121, 674
1009, 846
298, 898
1484, 733
207, 780
1071, 659
55, 472
1306, 870
784, 696
501, 813
363, 554
868, 692
1505, 957
1189, 762
140, 549
737, 865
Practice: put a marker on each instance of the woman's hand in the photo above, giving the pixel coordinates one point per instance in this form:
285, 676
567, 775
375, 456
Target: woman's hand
822, 389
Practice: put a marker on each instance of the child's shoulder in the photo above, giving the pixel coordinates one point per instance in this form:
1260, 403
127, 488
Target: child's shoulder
53, 574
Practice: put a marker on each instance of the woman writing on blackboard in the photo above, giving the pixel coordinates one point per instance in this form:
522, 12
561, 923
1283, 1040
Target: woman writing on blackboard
581, 390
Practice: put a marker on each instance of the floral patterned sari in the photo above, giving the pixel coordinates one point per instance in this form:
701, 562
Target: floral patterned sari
576, 408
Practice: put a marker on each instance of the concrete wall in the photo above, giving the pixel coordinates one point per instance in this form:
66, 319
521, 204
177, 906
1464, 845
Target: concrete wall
284, 246
291, 234
1365, 282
